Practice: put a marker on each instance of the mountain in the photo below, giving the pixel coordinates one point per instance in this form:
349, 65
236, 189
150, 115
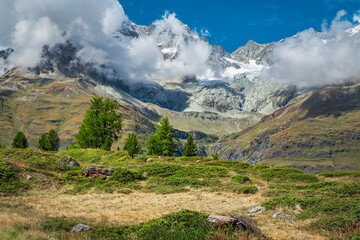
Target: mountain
318, 133
225, 98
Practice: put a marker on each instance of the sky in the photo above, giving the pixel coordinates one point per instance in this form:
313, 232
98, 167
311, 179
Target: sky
232, 23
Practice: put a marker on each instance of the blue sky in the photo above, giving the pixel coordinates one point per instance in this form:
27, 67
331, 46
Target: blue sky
232, 23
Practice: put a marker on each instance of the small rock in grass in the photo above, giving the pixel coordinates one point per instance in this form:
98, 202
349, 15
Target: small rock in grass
198, 161
82, 228
280, 215
256, 210
221, 219
28, 177
149, 160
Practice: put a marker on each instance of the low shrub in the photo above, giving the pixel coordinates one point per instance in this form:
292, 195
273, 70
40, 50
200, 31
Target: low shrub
59, 224
159, 169
246, 189
123, 175
202, 171
306, 178
9, 180
277, 173
241, 178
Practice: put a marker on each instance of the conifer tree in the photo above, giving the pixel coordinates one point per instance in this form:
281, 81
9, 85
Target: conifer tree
132, 145
101, 126
54, 141
190, 148
43, 142
20, 141
162, 141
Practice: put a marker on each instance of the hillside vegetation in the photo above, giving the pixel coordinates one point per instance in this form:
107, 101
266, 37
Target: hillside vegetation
316, 134
42, 197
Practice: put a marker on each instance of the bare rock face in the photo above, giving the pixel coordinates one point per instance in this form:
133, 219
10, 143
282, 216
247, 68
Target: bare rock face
97, 172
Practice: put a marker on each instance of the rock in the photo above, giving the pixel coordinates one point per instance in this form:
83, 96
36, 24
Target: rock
198, 161
256, 210
221, 219
280, 215
149, 160
82, 228
97, 172
28, 177
70, 162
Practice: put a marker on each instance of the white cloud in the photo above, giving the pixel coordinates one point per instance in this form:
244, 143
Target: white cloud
89, 25
314, 58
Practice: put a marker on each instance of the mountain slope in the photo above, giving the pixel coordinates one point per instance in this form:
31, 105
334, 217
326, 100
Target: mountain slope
318, 133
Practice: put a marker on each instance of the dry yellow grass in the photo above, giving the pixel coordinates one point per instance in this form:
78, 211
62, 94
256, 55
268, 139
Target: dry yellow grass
120, 209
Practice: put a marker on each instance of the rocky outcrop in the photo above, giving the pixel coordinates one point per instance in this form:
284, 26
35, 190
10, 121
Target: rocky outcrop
97, 172
254, 51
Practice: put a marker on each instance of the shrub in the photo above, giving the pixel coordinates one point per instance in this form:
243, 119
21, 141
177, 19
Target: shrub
241, 178
59, 224
123, 175
159, 169
277, 173
9, 181
181, 181
246, 189
202, 171
296, 177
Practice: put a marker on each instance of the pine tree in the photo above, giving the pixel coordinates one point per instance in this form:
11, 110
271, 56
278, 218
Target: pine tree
20, 141
190, 148
132, 145
101, 126
53, 140
43, 142
162, 141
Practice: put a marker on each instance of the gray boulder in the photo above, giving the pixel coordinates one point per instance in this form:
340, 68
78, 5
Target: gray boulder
82, 228
97, 172
256, 210
281, 215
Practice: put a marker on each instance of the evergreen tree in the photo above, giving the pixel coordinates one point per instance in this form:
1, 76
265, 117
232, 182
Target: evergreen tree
101, 126
43, 142
20, 141
190, 148
53, 140
49, 142
132, 145
162, 141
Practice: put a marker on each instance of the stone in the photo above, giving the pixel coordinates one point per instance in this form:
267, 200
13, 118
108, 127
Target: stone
28, 177
221, 219
97, 172
149, 160
82, 228
70, 162
281, 215
198, 161
256, 210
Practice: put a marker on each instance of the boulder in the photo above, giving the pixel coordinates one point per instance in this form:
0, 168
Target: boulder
97, 172
221, 219
70, 162
281, 215
82, 228
256, 210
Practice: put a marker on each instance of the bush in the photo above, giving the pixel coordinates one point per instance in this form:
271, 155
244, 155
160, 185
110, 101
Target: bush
241, 178
277, 173
59, 224
181, 181
123, 175
202, 171
296, 177
159, 169
9, 181
291, 201
246, 189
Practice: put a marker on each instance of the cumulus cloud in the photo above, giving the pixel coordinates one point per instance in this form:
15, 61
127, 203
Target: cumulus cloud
28, 25
314, 58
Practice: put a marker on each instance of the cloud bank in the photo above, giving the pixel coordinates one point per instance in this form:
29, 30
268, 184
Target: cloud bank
28, 25
314, 58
